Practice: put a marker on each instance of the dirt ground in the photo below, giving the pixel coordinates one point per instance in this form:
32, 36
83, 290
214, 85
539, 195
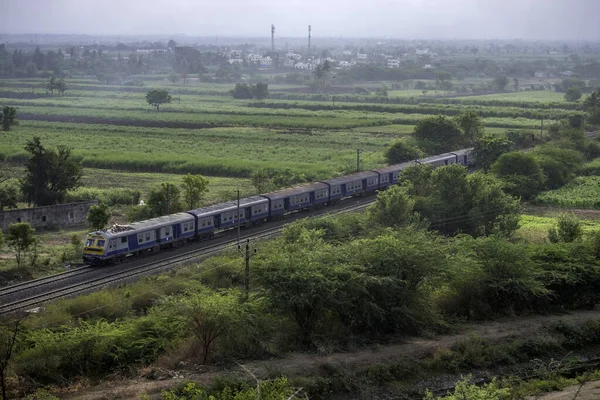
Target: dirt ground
298, 364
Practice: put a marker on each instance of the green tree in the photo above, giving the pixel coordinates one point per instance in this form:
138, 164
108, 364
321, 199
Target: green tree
98, 216
443, 80
382, 91
49, 173
401, 151
194, 187
438, 134
9, 194
8, 117
164, 200
321, 73
20, 237
488, 148
10, 332
262, 180
471, 125
521, 172
61, 86
573, 94
51, 84
568, 229
210, 316
392, 207
242, 91
559, 165
260, 91
173, 77
157, 97
592, 104
299, 280
500, 82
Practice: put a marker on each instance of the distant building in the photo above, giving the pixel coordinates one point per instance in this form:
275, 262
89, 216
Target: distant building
361, 56
393, 63
346, 64
540, 74
567, 73
236, 61
303, 65
427, 66
266, 62
254, 58
289, 63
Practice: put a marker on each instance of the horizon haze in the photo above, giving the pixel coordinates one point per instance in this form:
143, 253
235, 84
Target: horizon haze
407, 19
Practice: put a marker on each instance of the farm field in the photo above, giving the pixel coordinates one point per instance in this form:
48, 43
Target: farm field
203, 130
104, 182
582, 192
233, 152
542, 96
534, 228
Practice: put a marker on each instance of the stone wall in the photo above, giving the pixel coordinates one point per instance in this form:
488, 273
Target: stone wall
49, 217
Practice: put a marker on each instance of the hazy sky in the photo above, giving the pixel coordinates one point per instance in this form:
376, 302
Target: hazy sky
444, 19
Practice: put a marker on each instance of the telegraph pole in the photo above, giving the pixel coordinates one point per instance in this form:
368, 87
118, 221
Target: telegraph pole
247, 255
358, 151
238, 217
541, 128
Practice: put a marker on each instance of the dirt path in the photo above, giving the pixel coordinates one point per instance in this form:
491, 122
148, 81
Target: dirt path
295, 364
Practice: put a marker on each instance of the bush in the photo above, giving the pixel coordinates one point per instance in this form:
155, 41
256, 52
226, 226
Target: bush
568, 230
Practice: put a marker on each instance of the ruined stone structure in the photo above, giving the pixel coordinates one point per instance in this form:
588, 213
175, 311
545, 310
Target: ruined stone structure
49, 217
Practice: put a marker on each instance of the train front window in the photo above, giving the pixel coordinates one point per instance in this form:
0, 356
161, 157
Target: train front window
89, 242
101, 243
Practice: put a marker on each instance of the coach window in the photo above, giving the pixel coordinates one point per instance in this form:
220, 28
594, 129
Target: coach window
147, 236
167, 231
140, 238
124, 239
43, 218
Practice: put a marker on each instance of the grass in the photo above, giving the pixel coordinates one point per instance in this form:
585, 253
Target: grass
534, 228
542, 96
582, 192
233, 152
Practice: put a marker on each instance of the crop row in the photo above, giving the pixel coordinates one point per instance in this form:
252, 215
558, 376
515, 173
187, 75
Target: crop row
582, 192
235, 152
423, 108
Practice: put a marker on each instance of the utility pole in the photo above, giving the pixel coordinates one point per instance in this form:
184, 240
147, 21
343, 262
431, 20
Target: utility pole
168, 198
541, 128
358, 151
246, 254
238, 217
333, 100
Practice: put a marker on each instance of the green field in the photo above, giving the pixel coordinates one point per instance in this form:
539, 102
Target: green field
582, 192
234, 152
541, 96
203, 130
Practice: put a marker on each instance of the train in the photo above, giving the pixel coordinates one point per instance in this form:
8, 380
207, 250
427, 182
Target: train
121, 242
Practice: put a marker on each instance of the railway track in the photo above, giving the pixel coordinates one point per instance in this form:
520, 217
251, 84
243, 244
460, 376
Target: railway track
30, 294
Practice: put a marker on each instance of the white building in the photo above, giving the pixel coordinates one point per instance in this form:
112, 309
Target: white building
303, 65
393, 63
289, 63
361, 56
254, 58
346, 64
266, 62
236, 61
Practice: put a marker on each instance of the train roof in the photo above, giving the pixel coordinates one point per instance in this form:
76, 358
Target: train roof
351, 178
395, 167
463, 151
438, 157
284, 193
127, 229
229, 206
